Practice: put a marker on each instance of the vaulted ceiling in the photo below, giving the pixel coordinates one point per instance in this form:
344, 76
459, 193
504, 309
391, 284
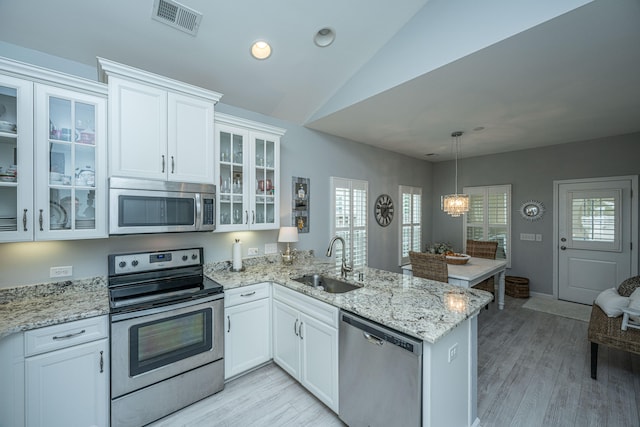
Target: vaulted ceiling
399, 75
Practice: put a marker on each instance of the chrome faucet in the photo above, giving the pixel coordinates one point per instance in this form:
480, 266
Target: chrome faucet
344, 269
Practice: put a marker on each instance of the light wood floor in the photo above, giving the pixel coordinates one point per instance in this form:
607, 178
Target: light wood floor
533, 370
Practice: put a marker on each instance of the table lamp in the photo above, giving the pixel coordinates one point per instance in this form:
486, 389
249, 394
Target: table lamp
288, 235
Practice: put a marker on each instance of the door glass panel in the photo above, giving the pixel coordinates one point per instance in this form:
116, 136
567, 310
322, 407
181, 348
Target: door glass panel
8, 206
8, 159
164, 341
270, 154
595, 220
225, 147
61, 209
72, 164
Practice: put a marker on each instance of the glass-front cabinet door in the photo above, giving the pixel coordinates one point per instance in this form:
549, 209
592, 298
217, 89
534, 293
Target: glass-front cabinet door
16, 159
265, 155
248, 161
232, 153
70, 171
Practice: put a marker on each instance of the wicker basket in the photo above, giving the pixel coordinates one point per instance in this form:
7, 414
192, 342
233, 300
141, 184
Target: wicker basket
516, 287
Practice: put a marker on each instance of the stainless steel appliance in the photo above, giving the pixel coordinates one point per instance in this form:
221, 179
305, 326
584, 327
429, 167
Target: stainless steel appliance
146, 206
380, 375
167, 334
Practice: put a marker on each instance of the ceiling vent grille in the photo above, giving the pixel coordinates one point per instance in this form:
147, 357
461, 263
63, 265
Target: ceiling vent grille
177, 15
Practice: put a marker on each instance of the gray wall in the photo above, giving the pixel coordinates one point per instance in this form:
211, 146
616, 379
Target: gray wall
531, 174
304, 153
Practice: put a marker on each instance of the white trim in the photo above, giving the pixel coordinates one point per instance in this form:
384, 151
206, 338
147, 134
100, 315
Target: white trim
556, 219
107, 68
239, 121
50, 77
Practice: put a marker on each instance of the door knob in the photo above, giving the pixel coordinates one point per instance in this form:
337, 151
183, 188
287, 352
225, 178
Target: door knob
563, 239
563, 247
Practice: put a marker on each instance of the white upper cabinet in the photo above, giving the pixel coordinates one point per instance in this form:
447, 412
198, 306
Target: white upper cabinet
159, 128
248, 161
53, 155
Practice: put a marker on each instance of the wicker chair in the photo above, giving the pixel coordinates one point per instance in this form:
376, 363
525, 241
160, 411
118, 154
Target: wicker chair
482, 249
429, 266
607, 330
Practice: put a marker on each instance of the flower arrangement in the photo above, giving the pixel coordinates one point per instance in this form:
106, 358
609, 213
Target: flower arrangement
439, 248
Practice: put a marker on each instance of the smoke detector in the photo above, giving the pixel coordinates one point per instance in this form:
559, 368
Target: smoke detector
177, 15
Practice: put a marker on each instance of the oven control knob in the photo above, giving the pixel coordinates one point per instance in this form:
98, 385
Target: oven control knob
134, 262
194, 256
184, 257
122, 264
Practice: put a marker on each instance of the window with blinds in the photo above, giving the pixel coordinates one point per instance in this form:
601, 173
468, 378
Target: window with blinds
595, 219
410, 221
349, 219
489, 217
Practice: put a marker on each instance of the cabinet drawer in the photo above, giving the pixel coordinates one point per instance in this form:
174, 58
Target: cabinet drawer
246, 294
321, 311
65, 335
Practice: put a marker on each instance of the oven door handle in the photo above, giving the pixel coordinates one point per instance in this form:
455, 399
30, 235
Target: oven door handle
170, 307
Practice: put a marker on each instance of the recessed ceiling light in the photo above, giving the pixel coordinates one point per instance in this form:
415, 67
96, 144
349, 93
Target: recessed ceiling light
260, 50
324, 37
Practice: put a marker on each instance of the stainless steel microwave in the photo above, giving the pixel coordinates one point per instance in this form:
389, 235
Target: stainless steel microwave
146, 206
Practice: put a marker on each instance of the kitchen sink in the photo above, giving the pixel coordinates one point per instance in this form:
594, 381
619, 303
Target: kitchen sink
327, 284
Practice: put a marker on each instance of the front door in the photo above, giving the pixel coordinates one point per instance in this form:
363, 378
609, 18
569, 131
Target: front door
595, 225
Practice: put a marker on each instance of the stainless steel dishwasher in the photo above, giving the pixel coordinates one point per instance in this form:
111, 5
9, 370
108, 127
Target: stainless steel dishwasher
380, 375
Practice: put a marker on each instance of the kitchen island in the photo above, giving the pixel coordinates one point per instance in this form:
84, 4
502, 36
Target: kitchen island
442, 316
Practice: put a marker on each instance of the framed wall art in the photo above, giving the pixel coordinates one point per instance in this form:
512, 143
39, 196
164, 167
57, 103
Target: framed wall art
300, 204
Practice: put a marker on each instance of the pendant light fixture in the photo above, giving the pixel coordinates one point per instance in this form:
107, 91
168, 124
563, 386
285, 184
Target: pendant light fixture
455, 204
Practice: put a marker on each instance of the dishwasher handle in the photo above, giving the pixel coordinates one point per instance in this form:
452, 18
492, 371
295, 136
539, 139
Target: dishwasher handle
377, 334
373, 339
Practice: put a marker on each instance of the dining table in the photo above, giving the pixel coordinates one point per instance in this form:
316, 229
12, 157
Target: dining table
475, 271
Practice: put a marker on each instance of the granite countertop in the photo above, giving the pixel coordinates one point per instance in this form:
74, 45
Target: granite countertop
33, 306
422, 308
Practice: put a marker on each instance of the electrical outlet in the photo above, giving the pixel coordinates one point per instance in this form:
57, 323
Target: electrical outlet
453, 352
528, 236
252, 251
65, 271
270, 248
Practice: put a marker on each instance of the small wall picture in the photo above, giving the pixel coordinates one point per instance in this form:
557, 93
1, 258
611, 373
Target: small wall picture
300, 204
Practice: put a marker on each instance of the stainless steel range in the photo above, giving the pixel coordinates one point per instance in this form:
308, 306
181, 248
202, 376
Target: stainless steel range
167, 341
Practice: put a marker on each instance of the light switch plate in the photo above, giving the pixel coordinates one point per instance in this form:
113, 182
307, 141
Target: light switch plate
252, 251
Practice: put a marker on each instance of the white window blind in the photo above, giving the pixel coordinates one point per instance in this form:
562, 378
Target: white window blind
410, 221
595, 220
489, 217
349, 219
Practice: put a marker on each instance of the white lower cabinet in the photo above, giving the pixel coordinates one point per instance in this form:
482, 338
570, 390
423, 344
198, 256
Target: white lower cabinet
67, 374
248, 328
305, 342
